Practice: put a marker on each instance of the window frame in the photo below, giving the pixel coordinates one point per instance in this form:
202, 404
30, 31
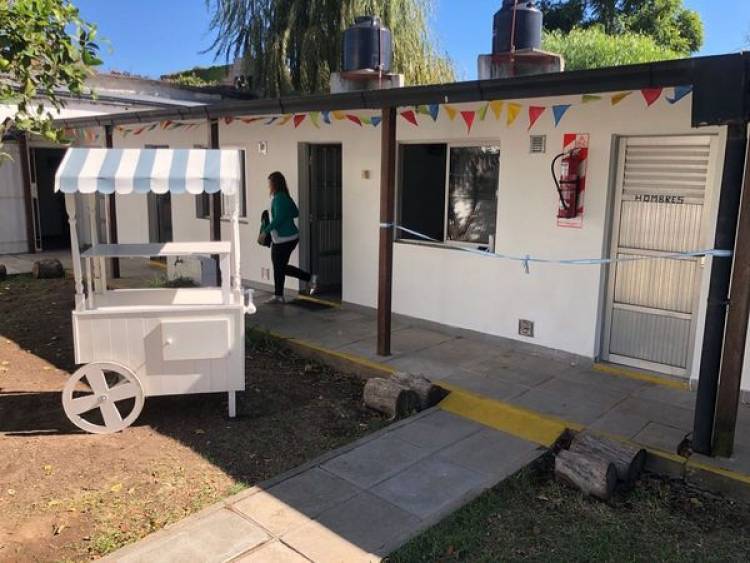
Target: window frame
203, 200
450, 145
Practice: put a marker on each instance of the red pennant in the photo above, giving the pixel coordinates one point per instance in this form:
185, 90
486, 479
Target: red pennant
469, 118
535, 112
298, 119
410, 116
228, 120
651, 95
354, 119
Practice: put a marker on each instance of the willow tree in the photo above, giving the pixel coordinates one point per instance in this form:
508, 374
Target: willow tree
293, 46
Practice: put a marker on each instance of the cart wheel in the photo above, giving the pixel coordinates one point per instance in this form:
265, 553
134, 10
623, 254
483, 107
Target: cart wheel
108, 385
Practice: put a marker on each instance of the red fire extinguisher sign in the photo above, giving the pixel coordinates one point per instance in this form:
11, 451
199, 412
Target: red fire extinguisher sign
573, 180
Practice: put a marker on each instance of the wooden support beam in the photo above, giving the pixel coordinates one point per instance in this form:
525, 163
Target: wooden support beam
112, 208
387, 231
215, 199
28, 200
733, 354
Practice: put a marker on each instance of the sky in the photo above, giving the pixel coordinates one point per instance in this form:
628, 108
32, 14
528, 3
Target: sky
155, 37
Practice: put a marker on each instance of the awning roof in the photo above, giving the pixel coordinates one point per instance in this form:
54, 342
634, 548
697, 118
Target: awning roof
125, 171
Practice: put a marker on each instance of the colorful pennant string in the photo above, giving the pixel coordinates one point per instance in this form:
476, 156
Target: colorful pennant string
535, 112
679, 93
559, 112
469, 118
513, 111
651, 95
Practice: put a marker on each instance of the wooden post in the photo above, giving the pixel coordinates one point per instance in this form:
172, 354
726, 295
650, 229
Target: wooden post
23, 151
387, 230
75, 250
733, 354
112, 208
215, 199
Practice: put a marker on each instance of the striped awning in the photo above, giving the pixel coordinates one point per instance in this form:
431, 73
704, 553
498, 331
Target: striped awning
126, 171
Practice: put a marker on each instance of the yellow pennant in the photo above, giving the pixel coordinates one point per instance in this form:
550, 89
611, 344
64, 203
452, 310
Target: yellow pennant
513, 111
286, 119
617, 98
497, 108
339, 115
589, 98
452, 112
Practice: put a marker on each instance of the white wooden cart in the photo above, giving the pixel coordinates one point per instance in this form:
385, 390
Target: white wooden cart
138, 343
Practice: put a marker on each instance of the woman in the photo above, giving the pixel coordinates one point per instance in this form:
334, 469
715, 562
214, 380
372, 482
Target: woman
284, 237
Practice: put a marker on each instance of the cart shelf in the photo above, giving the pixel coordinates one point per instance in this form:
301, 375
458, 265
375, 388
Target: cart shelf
222, 248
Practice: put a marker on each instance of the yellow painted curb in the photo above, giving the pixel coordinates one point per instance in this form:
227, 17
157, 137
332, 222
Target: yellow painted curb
618, 371
734, 475
520, 422
317, 300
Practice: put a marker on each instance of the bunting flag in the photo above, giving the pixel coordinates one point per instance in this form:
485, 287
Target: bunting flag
354, 119
272, 120
434, 111
469, 118
285, 119
376, 120
559, 112
410, 116
589, 98
422, 110
535, 112
298, 119
679, 93
452, 112
513, 111
483, 112
315, 119
166, 124
497, 108
339, 115
228, 120
617, 98
651, 95
250, 120
326, 117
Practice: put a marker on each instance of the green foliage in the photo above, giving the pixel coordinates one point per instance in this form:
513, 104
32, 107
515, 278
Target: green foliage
208, 75
593, 48
668, 22
190, 79
45, 46
293, 46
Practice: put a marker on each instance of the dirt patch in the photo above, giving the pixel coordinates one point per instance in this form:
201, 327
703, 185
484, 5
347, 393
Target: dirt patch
531, 517
66, 495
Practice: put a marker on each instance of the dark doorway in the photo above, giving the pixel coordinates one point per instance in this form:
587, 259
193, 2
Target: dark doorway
51, 219
325, 214
159, 217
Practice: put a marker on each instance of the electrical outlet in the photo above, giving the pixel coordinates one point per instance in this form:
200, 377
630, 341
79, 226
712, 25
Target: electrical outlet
526, 328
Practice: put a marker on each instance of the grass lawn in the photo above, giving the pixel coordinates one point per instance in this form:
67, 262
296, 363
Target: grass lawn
70, 496
530, 517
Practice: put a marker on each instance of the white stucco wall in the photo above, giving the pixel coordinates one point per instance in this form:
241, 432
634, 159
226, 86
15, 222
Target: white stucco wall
443, 284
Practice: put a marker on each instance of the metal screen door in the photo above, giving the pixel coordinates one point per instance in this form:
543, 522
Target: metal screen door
651, 304
325, 215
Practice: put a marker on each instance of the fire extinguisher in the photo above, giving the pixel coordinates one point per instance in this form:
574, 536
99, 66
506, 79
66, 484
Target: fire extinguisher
568, 184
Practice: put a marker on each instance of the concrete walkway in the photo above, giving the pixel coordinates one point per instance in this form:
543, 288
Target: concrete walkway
356, 504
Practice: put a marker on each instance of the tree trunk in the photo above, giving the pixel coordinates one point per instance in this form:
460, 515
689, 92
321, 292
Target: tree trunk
390, 397
428, 393
48, 268
3, 272
593, 475
628, 460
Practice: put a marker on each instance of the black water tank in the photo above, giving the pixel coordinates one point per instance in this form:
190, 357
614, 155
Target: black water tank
528, 26
368, 46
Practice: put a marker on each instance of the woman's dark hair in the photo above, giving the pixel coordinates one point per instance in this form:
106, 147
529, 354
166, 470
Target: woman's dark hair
278, 183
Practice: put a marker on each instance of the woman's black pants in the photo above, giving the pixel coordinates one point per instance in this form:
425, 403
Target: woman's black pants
280, 254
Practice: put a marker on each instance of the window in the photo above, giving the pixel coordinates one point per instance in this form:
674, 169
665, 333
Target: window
203, 201
449, 192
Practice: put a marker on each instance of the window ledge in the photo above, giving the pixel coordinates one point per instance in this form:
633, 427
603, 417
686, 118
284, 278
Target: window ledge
444, 245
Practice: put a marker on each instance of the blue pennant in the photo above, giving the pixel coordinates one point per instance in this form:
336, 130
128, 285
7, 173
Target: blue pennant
376, 119
434, 110
559, 112
326, 116
679, 93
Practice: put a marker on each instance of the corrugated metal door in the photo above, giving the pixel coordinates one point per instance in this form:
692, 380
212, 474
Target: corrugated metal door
325, 215
661, 190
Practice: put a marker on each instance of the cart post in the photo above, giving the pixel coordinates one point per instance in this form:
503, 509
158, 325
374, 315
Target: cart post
70, 207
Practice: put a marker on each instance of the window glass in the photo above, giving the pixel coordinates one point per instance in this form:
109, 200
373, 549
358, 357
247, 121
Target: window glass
422, 190
472, 193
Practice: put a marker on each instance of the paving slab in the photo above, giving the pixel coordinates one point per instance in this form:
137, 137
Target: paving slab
502, 369
437, 430
676, 397
218, 537
365, 528
660, 436
295, 501
375, 461
431, 488
620, 424
274, 552
495, 387
657, 411
565, 407
495, 455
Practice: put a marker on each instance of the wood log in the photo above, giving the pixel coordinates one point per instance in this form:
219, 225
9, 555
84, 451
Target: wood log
629, 460
595, 476
428, 393
47, 269
3, 272
390, 397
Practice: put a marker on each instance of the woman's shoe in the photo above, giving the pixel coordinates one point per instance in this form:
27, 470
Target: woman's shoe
276, 300
312, 285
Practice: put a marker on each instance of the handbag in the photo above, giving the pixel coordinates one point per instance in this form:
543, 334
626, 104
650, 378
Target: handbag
264, 238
